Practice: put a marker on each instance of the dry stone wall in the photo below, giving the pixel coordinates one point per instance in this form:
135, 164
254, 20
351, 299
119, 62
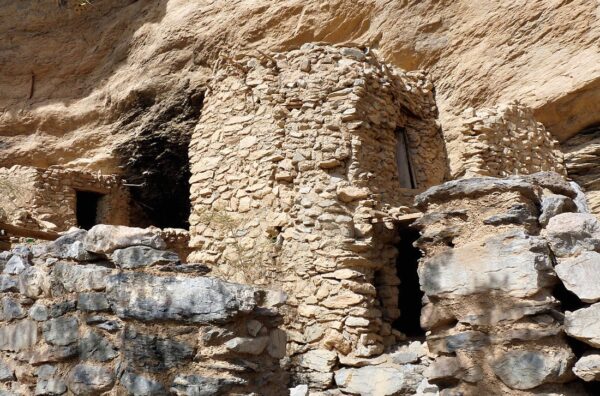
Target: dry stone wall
46, 198
489, 276
504, 141
295, 184
110, 312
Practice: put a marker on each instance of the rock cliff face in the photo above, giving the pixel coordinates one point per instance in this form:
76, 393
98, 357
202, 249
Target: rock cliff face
79, 79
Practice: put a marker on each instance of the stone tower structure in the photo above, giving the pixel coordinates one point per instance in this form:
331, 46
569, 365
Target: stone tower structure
301, 162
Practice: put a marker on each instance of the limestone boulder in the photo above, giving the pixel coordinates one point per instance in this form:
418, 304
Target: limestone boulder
581, 275
105, 239
527, 369
588, 367
379, 380
583, 324
573, 233
194, 300
512, 263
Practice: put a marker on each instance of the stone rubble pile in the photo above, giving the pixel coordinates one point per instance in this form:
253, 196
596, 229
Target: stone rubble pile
110, 310
488, 275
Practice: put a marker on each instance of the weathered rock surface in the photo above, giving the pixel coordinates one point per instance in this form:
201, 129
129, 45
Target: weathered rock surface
588, 367
510, 262
195, 300
526, 369
80, 278
573, 233
379, 380
141, 386
18, 336
87, 379
532, 38
105, 239
581, 275
583, 324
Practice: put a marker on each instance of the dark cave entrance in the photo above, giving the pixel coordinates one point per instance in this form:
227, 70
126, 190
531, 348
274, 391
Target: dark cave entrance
410, 296
86, 210
155, 161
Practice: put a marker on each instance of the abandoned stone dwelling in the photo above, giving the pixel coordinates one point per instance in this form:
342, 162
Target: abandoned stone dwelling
345, 255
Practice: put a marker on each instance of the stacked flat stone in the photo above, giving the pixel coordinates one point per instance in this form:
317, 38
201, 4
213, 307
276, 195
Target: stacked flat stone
295, 184
488, 278
110, 311
507, 140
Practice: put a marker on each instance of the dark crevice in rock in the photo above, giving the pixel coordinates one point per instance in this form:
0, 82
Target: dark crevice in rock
155, 162
410, 295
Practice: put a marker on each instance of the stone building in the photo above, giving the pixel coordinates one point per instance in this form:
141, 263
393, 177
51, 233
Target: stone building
56, 199
321, 172
305, 166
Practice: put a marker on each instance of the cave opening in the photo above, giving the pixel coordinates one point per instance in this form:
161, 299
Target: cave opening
410, 296
155, 161
86, 211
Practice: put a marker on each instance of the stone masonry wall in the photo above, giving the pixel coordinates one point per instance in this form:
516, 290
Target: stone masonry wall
491, 285
295, 184
504, 141
110, 312
46, 198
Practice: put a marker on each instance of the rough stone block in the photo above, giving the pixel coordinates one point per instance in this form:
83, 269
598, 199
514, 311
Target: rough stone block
583, 324
61, 331
18, 336
105, 239
569, 234
86, 379
379, 380
195, 300
512, 263
80, 278
139, 385
581, 275
588, 367
92, 302
526, 369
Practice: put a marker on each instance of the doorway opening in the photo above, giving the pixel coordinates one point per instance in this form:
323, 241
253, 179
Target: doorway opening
86, 211
410, 296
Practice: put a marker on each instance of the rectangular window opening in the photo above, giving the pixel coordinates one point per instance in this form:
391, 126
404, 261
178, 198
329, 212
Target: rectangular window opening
403, 163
